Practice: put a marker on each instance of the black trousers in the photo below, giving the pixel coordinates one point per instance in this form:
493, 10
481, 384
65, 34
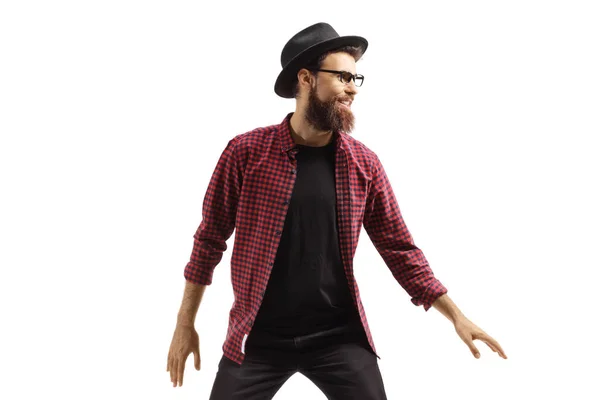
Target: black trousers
342, 366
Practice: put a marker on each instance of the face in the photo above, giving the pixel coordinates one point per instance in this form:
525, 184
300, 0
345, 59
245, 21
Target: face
329, 99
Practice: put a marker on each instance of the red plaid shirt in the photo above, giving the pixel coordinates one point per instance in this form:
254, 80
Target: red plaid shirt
250, 190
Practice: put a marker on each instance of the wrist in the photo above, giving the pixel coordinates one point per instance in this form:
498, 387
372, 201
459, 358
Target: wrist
447, 307
459, 319
185, 321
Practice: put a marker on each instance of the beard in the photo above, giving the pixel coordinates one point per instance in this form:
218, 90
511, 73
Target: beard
329, 115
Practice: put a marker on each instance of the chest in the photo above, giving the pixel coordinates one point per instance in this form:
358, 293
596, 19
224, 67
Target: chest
272, 180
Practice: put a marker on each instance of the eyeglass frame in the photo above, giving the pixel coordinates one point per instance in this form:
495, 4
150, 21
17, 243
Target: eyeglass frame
339, 74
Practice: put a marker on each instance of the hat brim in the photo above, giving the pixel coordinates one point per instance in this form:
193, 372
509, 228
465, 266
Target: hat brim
285, 81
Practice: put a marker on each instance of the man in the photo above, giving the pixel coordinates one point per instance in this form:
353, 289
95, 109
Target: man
297, 194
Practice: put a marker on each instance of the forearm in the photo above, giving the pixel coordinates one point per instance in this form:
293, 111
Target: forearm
192, 297
446, 306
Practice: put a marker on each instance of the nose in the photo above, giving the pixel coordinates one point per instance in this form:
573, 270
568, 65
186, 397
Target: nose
350, 88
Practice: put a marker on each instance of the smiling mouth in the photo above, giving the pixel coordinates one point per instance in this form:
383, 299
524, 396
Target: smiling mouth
345, 104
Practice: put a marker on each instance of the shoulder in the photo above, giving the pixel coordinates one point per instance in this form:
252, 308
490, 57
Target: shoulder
362, 154
254, 142
256, 136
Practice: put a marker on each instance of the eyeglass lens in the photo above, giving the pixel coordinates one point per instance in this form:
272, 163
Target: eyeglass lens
347, 77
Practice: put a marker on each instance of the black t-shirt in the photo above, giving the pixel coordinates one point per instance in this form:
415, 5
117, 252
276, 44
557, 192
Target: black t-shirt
308, 290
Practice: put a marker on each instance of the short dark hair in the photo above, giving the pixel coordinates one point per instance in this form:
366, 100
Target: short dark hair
317, 63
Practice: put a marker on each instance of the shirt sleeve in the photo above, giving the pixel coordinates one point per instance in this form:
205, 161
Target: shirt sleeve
385, 226
218, 218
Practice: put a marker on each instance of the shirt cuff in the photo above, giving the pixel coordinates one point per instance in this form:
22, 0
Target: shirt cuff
197, 274
433, 291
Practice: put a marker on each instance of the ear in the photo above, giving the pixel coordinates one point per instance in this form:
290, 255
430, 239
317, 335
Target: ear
305, 78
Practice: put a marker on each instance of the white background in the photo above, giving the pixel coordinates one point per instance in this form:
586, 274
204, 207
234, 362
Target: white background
113, 115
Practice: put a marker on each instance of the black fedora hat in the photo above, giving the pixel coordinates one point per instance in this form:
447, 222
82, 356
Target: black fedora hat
304, 47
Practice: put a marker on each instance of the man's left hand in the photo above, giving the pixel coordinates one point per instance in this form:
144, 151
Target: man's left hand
468, 332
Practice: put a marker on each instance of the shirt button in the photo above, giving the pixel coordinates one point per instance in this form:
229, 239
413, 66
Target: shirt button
278, 233
293, 171
286, 202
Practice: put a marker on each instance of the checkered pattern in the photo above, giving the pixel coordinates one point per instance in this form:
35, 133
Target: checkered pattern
250, 190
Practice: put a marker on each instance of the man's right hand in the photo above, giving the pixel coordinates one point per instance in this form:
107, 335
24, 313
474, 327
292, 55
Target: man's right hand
185, 341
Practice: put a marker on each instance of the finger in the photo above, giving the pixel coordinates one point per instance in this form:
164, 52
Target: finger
491, 347
180, 372
174, 367
472, 348
500, 353
497, 346
490, 341
171, 371
197, 359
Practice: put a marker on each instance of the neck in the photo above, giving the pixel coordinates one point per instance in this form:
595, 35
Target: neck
304, 133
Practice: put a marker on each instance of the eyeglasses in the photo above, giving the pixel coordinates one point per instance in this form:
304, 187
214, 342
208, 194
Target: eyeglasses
345, 76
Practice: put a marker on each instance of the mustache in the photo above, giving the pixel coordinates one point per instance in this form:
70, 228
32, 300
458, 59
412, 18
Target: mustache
344, 98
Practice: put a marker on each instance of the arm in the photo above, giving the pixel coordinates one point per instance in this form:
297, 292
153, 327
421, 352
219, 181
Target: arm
192, 297
218, 221
447, 307
385, 226
219, 211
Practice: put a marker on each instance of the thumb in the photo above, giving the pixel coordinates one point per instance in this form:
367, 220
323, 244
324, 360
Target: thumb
197, 359
472, 348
